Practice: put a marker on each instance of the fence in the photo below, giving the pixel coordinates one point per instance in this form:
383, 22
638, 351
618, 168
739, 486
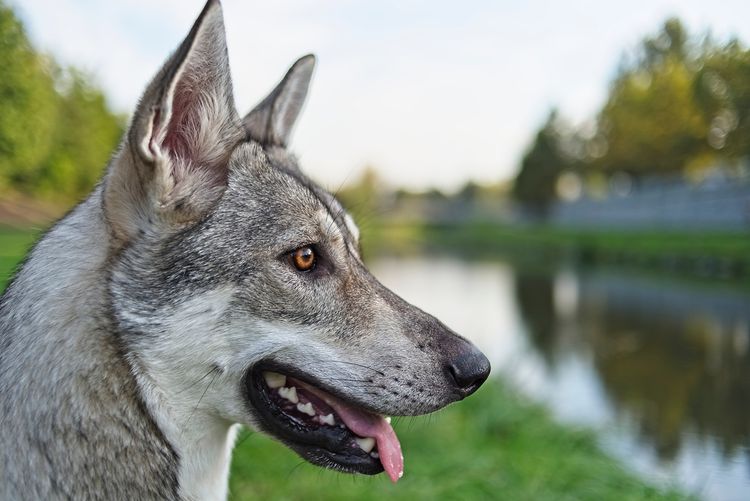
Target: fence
718, 203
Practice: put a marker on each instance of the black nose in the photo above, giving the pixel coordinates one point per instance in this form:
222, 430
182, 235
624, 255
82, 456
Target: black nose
469, 369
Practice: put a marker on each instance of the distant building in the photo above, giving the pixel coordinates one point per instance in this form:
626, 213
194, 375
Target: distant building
718, 202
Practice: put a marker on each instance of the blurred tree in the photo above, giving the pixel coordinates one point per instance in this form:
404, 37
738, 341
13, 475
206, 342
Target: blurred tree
535, 184
56, 130
651, 122
469, 191
363, 197
722, 90
670, 43
84, 137
27, 104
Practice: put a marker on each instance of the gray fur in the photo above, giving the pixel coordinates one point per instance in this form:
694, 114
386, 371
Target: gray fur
126, 334
73, 422
271, 122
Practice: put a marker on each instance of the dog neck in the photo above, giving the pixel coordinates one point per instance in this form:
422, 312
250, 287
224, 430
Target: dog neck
78, 418
202, 441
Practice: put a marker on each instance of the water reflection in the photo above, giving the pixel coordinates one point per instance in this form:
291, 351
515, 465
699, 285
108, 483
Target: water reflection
666, 364
674, 357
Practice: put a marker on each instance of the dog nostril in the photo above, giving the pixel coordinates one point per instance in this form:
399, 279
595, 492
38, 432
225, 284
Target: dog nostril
469, 370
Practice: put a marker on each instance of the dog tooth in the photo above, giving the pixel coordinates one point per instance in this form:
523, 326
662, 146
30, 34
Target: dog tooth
366, 444
388, 419
306, 409
289, 394
374, 454
274, 379
327, 420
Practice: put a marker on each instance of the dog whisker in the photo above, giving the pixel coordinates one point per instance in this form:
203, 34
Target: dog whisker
199, 402
213, 369
352, 363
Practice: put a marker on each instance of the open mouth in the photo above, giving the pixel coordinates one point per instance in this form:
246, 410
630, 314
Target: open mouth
322, 428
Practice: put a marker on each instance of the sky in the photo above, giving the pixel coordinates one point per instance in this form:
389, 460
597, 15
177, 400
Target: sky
431, 93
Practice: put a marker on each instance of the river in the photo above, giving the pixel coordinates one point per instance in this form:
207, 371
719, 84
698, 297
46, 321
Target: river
659, 366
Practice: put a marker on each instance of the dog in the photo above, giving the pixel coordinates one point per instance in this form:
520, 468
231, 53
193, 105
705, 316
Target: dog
207, 282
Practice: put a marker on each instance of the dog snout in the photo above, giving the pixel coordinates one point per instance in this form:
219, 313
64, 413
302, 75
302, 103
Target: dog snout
468, 369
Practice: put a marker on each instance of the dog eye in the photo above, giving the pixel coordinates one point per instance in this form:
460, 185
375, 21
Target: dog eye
304, 258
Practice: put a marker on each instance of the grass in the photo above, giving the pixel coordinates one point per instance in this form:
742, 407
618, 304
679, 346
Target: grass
495, 445
711, 255
14, 244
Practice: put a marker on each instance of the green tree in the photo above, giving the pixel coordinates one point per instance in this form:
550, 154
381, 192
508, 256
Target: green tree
469, 192
536, 181
27, 105
722, 90
651, 122
56, 129
84, 137
362, 198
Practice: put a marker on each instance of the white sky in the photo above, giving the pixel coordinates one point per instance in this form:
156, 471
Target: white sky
432, 93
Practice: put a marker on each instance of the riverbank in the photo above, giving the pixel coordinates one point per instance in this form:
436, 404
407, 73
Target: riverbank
698, 254
496, 444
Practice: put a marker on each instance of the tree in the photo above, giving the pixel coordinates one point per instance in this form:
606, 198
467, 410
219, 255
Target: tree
362, 198
85, 135
536, 181
651, 122
56, 129
27, 104
722, 90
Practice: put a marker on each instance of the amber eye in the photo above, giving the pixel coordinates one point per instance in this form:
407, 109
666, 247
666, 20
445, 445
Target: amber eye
304, 258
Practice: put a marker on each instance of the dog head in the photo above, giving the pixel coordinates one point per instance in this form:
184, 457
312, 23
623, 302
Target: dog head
238, 287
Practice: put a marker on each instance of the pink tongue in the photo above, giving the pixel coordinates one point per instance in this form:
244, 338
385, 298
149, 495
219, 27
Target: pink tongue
370, 425
366, 425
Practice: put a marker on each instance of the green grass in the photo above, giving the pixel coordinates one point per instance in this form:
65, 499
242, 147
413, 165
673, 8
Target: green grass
14, 244
494, 445
715, 255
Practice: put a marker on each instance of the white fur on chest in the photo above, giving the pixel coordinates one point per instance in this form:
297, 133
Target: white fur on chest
204, 465
182, 400
203, 444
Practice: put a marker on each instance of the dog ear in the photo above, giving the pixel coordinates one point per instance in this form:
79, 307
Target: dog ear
271, 122
184, 129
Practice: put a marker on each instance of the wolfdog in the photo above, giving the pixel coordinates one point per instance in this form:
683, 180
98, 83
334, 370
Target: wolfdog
207, 282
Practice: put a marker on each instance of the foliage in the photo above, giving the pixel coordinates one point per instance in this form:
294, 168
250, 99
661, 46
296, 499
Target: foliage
702, 255
722, 88
678, 105
27, 104
14, 244
362, 197
56, 129
651, 122
540, 167
86, 133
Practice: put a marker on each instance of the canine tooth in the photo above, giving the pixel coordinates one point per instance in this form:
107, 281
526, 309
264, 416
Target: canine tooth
375, 454
274, 379
388, 419
366, 444
306, 408
289, 393
327, 420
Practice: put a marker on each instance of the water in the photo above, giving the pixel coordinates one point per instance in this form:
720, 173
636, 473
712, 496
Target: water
661, 367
